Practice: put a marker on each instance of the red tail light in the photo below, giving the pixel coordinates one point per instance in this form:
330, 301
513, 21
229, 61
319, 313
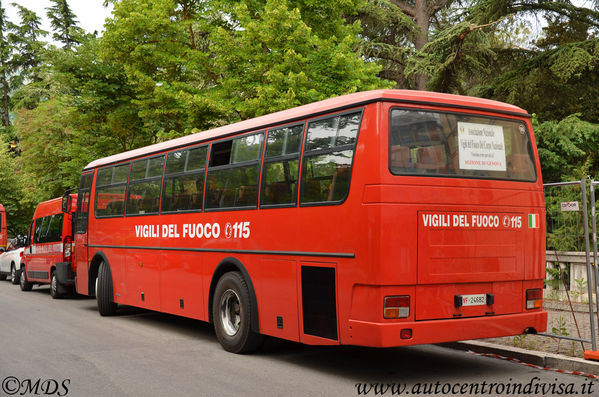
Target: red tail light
534, 298
67, 249
396, 306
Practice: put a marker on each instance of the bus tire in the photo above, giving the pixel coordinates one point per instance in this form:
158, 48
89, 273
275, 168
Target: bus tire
13, 275
232, 314
24, 284
104, 293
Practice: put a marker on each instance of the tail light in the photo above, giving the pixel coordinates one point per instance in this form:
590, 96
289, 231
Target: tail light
396, 306
21, 253
67, 249
534, 298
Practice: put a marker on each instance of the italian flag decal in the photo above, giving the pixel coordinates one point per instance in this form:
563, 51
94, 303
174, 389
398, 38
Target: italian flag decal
533, 221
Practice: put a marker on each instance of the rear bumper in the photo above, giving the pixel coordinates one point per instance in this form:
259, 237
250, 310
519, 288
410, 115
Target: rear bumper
437, 331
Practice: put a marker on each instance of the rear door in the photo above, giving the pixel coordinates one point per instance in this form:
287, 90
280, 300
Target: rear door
469, 263
80, 234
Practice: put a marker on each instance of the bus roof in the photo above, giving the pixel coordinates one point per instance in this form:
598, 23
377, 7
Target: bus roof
2, 208
315, 109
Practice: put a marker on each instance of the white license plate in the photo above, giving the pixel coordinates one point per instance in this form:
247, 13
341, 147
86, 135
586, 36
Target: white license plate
474, 300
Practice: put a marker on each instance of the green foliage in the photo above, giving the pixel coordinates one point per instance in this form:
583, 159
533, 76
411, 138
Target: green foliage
168, 68
387, 34
13, 194
568, 148
275, 62
64, 23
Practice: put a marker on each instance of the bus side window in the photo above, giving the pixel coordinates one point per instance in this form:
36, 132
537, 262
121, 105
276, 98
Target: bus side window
54, 233
143, 195
111, 185
281, 166
328, 158
233, 173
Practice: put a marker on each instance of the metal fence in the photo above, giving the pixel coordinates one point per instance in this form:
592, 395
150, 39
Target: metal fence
568, 221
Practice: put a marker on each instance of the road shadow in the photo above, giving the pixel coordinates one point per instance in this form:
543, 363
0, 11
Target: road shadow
416, 363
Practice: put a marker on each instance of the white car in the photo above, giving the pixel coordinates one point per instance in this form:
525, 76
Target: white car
10, 261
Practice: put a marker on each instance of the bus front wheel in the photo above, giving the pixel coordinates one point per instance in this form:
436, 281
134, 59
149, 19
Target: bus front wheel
104, 295
231, 313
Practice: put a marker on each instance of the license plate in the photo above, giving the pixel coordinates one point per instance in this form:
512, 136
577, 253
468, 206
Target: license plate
474, 300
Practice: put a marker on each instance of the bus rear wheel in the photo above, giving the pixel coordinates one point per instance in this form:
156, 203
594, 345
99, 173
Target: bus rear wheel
24, 284
104, 293
232, 314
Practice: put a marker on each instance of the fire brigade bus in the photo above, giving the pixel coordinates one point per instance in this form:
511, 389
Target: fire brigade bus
381, 218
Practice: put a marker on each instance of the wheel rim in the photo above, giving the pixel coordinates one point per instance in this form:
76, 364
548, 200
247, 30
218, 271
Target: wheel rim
22, 280
230, 312
13, 274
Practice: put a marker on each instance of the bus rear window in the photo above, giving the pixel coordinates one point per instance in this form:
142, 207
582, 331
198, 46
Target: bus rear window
459, 145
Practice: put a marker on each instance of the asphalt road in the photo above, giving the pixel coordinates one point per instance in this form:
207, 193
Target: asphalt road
67, 346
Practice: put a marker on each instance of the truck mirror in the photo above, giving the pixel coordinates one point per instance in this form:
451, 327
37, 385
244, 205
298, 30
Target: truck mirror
66, 202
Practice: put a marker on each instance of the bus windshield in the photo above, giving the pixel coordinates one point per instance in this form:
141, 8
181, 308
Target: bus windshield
459, 145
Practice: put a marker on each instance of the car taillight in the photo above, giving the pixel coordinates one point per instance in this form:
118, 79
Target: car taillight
396, 306
67, 249
534, 298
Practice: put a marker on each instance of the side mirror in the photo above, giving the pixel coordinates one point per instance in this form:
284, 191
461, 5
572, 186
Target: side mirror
66, 202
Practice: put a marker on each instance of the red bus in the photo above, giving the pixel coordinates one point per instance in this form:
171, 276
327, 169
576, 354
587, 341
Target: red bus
381, 218
3, 236
47, 256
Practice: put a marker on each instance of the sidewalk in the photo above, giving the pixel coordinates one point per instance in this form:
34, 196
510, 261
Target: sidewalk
541, 359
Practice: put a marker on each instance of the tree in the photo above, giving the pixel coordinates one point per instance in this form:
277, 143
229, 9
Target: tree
5, 53
274, 62
13, 194
64, 23
28, 47
86, 113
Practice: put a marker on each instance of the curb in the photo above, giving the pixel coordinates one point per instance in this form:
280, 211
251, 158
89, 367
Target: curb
541, 359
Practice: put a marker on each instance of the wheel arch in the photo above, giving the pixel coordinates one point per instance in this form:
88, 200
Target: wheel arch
94, 265
231, 264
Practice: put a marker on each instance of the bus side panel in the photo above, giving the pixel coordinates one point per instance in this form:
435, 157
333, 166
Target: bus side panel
181, 289
276, 289
142, 274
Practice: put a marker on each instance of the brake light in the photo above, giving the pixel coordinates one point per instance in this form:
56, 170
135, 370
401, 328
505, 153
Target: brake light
534, 298
396, 306
67, 249
21, 254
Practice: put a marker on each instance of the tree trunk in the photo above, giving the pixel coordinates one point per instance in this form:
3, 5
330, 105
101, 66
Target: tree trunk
422, 19
421, 11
